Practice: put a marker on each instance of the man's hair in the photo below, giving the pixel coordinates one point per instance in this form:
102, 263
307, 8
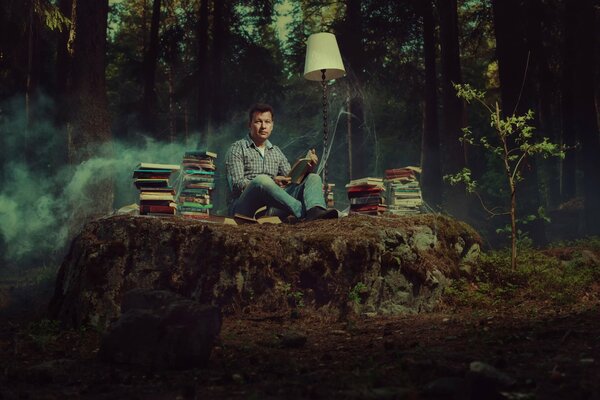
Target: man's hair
260, 108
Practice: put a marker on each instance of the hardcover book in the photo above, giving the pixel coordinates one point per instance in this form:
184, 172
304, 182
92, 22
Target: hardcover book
155, 166
301, 168
257, 218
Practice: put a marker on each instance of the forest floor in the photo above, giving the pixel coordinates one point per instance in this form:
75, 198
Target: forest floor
533, 333
533, 351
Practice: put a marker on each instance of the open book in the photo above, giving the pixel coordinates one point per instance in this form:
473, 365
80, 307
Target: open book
258, 218
301, 168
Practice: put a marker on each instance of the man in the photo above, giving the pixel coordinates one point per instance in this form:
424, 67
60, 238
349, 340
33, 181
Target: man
257, 173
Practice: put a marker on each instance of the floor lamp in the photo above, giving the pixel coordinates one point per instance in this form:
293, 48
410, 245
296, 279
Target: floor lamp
323, 62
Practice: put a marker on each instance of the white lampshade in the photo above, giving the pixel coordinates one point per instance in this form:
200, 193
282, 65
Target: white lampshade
322, 53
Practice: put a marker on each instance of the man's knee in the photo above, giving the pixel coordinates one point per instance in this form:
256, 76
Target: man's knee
313, 177
263, 181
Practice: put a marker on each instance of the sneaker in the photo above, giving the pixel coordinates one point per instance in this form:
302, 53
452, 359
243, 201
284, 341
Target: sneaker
291, 219
321, 213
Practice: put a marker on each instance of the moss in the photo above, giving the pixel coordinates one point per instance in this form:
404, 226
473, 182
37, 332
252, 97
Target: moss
556, 276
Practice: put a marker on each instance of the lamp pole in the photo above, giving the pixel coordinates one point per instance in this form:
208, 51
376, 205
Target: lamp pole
323, 62
325, 125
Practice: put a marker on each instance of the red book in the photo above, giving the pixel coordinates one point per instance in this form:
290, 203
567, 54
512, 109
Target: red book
145, 209
364, 188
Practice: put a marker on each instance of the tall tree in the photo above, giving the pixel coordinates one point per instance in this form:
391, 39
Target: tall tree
222, 15
32, 38
581, 14
62, 53
149, 112
452, 106
431, 178
513, 56
352, 50
516, 90
544, 90
204, 103
89, 122
569, 137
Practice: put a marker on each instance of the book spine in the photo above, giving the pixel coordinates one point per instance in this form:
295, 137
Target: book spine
145, 209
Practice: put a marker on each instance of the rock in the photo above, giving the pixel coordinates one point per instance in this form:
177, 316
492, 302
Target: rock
446, 387
57, 371
144, 299
161, 330
483, 370
486, 381
292, 339
380, 393
403, 263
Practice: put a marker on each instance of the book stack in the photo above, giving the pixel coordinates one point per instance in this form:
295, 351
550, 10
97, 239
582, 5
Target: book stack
329, 200
157, 195
366, 196
196, 184
403, 190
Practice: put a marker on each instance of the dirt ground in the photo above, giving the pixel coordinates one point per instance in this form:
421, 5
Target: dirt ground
527, 353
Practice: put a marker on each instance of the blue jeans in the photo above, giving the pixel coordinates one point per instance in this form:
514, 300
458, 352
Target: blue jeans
293, 199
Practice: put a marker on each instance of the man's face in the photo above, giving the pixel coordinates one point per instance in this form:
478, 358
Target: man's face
261, 126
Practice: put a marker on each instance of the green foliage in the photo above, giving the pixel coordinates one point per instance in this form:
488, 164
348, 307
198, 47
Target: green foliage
541, 277
464, 176
522, 236
512, 143
298, 297
295, 297
51, 15
355, 293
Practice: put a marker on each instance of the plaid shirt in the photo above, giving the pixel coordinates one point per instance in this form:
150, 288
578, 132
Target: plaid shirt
244, 162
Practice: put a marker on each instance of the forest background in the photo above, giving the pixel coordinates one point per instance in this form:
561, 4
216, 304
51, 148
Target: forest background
88, 89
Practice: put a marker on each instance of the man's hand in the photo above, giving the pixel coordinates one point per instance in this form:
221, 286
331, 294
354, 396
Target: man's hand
314, 159
282, 181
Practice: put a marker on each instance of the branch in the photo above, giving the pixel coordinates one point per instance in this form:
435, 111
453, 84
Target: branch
489, 211
522, 83
516, 168
485, 105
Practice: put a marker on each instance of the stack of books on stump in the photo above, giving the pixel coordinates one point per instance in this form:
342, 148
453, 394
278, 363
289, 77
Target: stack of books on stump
403, 190
366, 196
329, 200
157, 195
196, 184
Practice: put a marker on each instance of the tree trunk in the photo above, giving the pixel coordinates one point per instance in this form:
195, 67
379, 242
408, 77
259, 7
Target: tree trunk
452, 106
360, 139
349, 134
514, 59
220, 41
149, 115
431, 178
204, 103
585, 119
172, 115
546, 96
28, 82
63, 71
89, 123
352, 49
186, 121
569, 164
35, 58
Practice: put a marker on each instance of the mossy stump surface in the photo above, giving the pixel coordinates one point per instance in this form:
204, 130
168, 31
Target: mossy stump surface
360, 264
